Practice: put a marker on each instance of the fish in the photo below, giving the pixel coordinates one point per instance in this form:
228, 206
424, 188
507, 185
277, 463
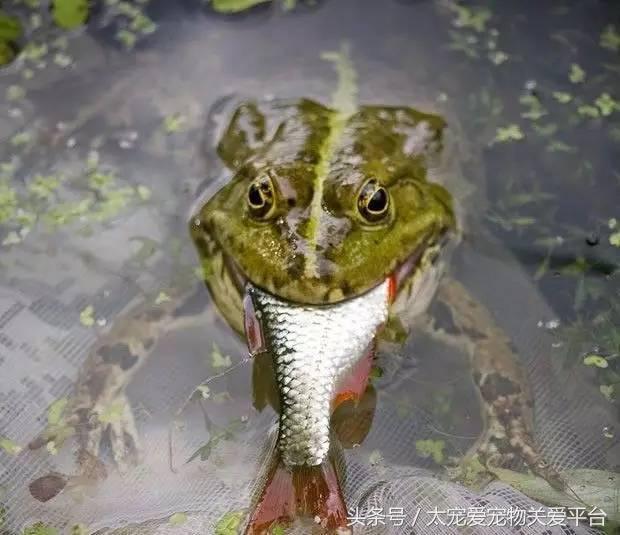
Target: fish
322, 356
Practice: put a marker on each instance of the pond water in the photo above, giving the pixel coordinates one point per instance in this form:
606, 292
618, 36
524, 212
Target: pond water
103, 152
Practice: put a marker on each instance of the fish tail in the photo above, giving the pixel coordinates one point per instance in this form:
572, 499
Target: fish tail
300, 492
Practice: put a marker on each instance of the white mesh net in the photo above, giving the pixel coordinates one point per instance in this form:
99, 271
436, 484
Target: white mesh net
388, 483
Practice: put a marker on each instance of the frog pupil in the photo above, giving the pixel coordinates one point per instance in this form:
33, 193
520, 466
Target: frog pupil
255, 197
378, 201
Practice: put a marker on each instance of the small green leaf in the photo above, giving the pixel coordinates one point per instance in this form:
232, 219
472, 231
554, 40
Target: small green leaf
86, 316
562, 97
595, 360
431, 448
576, 75
177, 519
587, 110
112, 413
12, 448
610, 38
234, 6
508, 133
20, 139
162, 297
606, 104
607, 391
174, 123
219, 360
127, 38
545, 130
69, 14
277, 529
559, 146
15, 92
62, 60
229, 523
55, 411
523, 221
142, 24
475, 18
35, 51
39, 528
143, 192
614, 239
43, 186
498, 57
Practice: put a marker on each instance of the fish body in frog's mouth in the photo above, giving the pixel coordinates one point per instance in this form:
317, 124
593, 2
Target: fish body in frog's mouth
321, 355
314, 349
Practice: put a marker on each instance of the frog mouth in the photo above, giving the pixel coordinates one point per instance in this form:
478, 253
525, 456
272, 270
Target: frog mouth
426, 253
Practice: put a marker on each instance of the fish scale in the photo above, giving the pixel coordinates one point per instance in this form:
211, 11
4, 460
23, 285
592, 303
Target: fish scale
313, 348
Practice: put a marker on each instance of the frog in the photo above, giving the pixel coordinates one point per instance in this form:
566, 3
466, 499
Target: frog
315, 204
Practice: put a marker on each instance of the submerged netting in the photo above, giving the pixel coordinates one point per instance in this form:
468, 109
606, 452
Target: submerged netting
388, 481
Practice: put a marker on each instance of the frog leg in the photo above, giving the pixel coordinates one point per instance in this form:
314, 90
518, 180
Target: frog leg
506, 400
124, 437
99, 404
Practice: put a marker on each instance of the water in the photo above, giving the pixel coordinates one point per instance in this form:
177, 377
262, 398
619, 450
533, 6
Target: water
116, 139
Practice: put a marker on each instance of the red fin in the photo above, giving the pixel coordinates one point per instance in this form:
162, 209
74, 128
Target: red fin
253, 331
277, 501
354, 385
392, 288
351, 422
311, 492
318, 495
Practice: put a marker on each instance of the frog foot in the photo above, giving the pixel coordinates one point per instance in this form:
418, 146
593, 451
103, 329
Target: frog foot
122, 433
498, 449
89, 425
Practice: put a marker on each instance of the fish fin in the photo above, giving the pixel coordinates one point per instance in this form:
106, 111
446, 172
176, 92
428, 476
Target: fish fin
252, 327
303, 491
351, 422
319, 496
276, 504
354, 385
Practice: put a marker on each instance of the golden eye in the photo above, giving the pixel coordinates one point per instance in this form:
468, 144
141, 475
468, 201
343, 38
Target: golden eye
261, 198
373, 201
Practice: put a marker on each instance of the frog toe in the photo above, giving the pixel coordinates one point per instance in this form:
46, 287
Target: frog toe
124, 440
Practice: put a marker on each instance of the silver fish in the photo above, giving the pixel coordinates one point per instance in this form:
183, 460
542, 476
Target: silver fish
313, 349
320, 353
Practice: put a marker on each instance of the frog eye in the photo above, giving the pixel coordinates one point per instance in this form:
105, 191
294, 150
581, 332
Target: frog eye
260, 198
373, 201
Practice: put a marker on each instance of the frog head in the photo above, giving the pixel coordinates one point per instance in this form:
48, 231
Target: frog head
321, 207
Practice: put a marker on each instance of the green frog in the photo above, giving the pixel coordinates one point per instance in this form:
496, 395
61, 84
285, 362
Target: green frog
317, 205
